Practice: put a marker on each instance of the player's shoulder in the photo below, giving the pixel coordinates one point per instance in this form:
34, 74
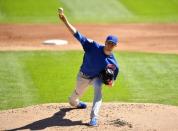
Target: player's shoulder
94, 43
112, 56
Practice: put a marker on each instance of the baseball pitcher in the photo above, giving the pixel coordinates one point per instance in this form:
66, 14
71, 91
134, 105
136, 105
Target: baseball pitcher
99, 67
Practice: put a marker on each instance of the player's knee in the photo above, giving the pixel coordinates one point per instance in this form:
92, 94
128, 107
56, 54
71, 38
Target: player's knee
73, 102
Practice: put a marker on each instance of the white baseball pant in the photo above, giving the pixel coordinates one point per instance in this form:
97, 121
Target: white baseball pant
81, 87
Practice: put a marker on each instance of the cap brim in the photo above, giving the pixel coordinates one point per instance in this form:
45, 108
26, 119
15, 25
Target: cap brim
112, 42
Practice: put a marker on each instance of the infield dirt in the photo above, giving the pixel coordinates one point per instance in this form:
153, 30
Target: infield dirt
162, 38
113, 116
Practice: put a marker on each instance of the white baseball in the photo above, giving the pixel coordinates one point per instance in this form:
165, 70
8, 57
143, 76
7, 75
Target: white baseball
60, 10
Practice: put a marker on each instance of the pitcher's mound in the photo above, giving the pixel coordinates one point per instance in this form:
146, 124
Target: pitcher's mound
113, 116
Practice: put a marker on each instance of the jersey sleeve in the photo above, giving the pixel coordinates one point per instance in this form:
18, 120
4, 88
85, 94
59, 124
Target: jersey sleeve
116, 73
85, 42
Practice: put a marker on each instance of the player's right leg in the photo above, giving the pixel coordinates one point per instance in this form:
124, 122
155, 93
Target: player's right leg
97, 83
81, 86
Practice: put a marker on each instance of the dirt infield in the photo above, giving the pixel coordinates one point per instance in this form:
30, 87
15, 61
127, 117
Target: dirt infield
133, 37
115, 116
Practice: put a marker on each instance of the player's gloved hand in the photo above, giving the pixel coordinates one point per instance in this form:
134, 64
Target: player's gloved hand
107, 75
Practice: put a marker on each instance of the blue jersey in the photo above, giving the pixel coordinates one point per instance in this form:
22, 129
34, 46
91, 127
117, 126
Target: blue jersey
95, 60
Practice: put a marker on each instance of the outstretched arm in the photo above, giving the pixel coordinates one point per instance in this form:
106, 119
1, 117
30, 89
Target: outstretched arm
82, 39
66, 22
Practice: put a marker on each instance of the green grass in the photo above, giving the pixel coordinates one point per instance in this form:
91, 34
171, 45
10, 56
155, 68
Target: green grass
97, 11
28, 78
29, 11
93, 11
153, 11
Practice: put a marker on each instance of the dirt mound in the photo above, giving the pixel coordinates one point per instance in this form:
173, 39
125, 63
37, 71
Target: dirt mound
113, 116
132, 37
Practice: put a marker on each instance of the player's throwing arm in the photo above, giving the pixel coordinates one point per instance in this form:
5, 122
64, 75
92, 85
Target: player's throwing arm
65, 21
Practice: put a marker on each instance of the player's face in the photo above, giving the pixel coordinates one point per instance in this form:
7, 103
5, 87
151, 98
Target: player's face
109, 46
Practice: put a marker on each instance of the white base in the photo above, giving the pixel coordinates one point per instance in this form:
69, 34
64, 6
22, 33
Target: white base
55, 42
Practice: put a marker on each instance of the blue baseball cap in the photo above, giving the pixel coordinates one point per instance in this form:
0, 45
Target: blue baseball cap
113, 39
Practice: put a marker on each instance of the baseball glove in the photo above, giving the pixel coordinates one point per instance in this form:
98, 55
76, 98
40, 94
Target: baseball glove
107, 75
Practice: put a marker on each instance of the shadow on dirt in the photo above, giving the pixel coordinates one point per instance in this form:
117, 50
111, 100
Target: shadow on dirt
56, 120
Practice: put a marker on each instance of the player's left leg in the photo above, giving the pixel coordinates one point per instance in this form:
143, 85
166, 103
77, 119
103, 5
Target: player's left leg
81, 86
97, 83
